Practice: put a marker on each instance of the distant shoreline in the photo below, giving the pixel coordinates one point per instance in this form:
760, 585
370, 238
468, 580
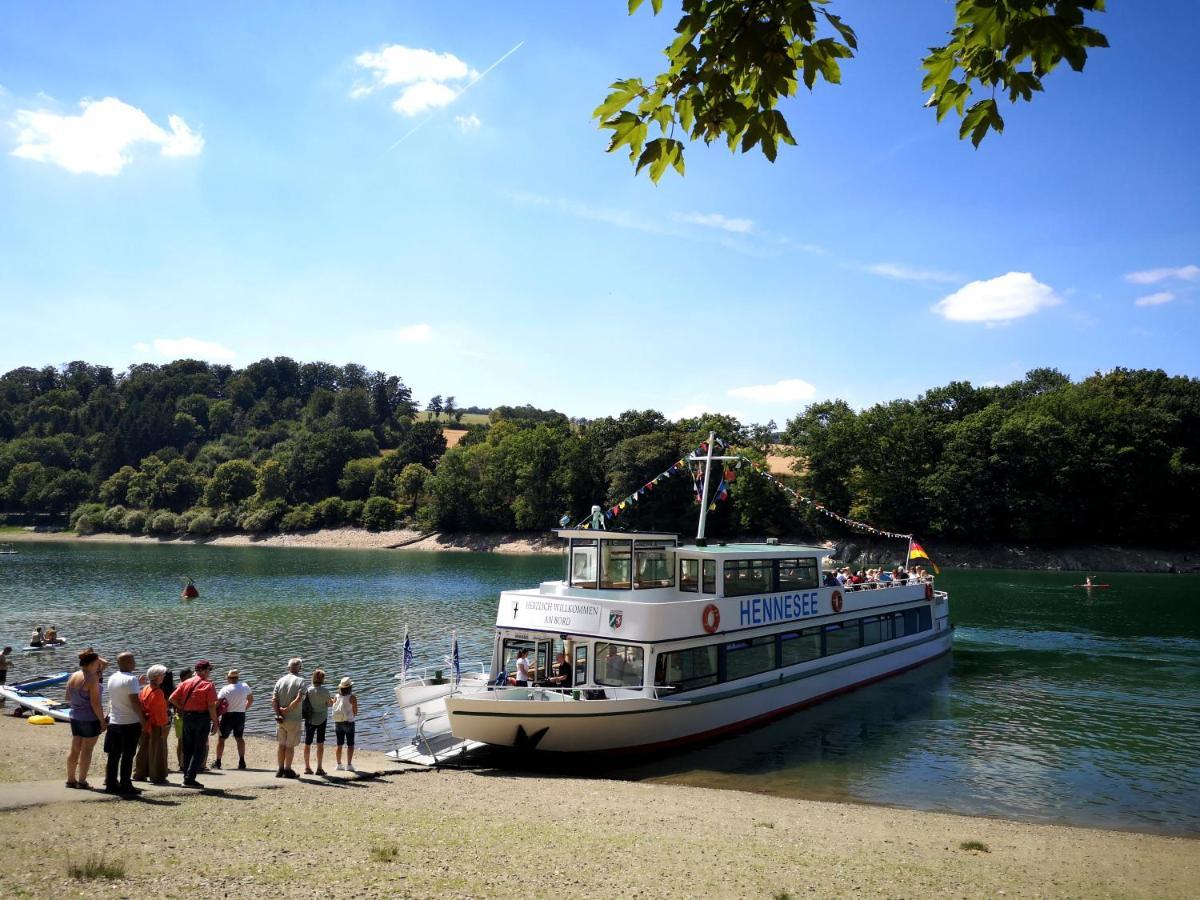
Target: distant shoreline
852, 552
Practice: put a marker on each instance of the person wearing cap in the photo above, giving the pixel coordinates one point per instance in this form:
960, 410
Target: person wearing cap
196, 699
238, 698
345, 711
151, 760
286, 700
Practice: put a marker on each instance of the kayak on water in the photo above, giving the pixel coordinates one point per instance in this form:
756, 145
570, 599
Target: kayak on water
33, 684
1091, 585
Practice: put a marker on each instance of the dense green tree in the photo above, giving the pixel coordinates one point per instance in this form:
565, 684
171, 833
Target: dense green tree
733, 61
357, 477
412, 481
231, 483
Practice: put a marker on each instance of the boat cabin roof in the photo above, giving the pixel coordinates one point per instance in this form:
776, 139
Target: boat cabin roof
578, 536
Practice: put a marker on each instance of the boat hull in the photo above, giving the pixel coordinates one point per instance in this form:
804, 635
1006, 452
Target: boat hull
556, 723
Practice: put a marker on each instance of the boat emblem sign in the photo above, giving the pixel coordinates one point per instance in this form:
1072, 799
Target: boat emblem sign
615, 617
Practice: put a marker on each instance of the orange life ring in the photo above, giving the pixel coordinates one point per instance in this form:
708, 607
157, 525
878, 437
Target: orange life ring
928, 591
711, 618
837, 601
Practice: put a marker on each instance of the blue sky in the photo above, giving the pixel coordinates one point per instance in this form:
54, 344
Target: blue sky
236, 181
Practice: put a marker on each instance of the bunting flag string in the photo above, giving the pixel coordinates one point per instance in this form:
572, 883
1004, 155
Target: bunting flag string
680, 466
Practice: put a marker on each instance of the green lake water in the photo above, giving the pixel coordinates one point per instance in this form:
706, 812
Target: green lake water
1057, 704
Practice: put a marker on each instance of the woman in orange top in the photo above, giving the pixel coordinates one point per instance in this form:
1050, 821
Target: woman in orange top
151, 760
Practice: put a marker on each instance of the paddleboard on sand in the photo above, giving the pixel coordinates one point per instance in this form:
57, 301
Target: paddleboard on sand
44, 706
41, 681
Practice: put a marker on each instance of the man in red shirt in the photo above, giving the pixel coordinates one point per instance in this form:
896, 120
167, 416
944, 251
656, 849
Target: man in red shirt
196, 699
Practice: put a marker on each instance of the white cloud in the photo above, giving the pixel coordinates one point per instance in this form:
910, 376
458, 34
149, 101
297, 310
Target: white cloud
716, 220
790, 390
468, 124
414, 334
428, 79
1000, 299
902, 272
1154, 276
185, 348
1155, 299
99, 139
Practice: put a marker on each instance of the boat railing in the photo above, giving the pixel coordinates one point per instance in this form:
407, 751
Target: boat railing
883, 585
440, 674
503, 692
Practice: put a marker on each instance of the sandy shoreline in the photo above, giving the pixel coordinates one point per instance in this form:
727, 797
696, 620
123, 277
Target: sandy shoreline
859, 553
325, 538
493, 833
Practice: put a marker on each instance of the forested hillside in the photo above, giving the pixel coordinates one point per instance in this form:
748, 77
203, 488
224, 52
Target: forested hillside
280, 445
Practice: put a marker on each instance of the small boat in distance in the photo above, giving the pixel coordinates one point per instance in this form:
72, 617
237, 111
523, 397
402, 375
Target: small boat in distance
7, 549
650, 643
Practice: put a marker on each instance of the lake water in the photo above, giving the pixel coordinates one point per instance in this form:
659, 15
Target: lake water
1057, 704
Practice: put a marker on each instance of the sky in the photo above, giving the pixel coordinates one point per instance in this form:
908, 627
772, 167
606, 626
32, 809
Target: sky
420, 188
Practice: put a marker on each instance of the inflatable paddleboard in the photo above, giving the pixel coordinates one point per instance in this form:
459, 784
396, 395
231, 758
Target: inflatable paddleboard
33, 684
42, 706
45, 647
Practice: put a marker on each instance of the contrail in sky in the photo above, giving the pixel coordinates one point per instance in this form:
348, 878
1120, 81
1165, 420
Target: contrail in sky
466, 87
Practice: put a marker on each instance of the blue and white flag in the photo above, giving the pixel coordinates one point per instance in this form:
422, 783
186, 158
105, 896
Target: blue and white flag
454, 661
408, 654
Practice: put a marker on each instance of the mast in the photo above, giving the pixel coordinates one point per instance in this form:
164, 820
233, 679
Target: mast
707, 459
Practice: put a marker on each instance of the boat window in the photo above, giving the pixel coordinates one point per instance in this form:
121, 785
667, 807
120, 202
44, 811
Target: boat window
686, 670
652, 566
748, 576
926, 618
743, 658
799, 646
689, 575
842, 636
911, 622
798, 574
885, 628
615, 564
511, 647
710, 577
583, 563
619, 665
872, 632
580, 664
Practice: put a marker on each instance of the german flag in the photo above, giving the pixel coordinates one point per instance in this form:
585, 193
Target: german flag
918, 552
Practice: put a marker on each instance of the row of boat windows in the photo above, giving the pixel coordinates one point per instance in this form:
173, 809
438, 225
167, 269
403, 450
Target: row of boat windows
697, 667
623, 665
617, 566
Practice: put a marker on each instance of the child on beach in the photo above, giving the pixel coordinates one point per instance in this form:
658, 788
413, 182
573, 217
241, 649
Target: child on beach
345, 710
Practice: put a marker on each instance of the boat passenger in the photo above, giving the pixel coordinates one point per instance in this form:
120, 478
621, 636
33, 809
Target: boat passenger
831, 579
843, 575
87, 717
884, 577
562, 672
614, 666
37, 638
521, 679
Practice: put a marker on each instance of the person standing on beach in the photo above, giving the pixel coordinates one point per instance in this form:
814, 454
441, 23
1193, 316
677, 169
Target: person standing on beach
87, 718
125, 720
238, 698
4, 655
151, 761
197, 700
317, 701
286, 699
345, 711
177, 717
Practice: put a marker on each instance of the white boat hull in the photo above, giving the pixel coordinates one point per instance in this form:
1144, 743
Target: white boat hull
555, 722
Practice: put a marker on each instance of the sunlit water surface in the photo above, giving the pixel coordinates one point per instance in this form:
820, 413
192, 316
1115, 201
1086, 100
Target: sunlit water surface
1057, 704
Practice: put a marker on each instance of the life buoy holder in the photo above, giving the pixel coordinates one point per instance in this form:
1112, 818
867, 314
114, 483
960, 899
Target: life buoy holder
711, 618
837, 601
928, 591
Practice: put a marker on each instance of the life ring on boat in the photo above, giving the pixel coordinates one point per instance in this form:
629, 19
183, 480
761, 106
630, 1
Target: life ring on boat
928, 591
836, 598
710, 618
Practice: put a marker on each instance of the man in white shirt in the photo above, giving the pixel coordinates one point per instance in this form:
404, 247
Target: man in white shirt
238, 697
125, 720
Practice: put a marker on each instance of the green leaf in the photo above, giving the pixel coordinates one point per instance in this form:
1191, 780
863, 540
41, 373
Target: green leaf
660, 153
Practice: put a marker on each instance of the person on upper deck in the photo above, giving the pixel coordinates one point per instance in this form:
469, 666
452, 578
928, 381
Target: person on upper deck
884, 576
832, 580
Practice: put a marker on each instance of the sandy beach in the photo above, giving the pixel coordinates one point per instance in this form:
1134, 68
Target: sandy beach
485, 833
325, 538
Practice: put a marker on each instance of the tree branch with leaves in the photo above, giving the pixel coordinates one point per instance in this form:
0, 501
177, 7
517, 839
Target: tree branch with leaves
734, 60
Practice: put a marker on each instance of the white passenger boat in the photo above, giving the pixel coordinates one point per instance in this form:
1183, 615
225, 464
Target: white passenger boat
668, 643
